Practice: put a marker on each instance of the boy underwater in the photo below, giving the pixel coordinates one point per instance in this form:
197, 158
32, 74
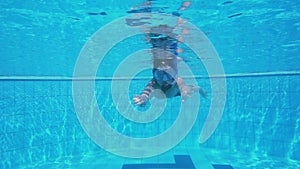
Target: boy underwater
165, 70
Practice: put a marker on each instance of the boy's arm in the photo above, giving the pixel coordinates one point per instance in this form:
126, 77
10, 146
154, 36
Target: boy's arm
146, 94
187, 90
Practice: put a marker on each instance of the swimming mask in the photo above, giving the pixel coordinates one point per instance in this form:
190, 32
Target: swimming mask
165, 76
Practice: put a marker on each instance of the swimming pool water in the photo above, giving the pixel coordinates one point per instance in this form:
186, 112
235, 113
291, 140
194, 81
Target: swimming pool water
258, 44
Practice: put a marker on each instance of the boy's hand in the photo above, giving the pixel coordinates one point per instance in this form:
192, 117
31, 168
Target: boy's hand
140, 100
188, 90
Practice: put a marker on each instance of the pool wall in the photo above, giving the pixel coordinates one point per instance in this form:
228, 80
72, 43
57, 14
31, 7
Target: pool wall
38, 122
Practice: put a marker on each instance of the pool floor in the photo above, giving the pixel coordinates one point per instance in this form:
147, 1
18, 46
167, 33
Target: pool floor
201, 158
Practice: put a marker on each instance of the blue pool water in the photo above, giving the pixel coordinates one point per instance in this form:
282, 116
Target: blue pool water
258, 43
